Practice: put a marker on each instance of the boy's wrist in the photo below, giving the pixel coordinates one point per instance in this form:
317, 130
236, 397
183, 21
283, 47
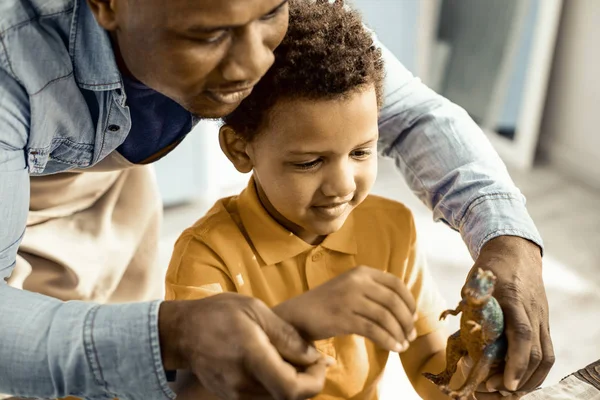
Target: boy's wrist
286, 311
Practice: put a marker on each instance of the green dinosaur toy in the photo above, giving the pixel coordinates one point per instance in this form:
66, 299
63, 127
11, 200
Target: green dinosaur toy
481, 337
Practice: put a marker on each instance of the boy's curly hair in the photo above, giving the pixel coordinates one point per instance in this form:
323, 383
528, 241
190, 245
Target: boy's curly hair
326, 54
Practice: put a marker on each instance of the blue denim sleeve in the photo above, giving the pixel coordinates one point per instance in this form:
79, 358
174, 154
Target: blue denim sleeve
50, 348
448, 162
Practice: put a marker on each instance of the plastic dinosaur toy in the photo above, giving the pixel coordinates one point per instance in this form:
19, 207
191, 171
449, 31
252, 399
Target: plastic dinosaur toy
481, 336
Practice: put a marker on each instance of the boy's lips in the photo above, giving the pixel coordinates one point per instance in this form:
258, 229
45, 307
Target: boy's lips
331, 211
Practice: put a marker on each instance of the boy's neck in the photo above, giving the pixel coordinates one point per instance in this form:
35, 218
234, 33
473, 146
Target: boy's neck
308, 237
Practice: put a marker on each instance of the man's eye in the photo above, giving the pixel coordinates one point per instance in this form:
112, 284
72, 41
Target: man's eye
215, 38
273, 13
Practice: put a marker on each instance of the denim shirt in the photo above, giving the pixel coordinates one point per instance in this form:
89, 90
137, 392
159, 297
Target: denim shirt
62, 107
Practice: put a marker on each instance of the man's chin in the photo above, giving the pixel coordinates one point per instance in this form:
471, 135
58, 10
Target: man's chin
211, 110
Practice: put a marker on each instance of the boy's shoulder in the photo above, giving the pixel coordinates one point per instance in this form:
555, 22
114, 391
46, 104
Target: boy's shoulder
384, 230
221, 221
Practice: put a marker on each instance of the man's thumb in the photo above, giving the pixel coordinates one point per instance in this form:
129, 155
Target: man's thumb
288, 342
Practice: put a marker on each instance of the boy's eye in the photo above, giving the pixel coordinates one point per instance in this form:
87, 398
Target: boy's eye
361, 154
307, 165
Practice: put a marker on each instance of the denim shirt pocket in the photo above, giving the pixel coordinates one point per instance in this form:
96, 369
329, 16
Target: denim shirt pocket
62, 134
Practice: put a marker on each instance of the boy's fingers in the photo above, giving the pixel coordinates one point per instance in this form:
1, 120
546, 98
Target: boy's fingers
371, 330
380, 316
397, 310
395, 284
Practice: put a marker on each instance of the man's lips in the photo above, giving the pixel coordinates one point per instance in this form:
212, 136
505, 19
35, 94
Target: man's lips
233, 96
230, 94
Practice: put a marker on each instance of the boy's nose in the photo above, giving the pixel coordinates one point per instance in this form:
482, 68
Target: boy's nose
340, 183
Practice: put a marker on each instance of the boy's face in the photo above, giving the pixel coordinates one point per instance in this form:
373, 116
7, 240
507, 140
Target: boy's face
315, 161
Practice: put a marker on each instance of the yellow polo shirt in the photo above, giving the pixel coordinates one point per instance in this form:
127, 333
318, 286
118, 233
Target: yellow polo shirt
238, 247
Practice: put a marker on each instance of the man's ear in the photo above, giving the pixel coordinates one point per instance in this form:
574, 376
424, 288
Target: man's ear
105, 13
234, 147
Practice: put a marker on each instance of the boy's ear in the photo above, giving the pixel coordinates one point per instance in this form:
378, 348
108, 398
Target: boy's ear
234, 147
105, 13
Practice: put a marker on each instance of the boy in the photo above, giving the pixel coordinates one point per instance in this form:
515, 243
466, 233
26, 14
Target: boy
295, 236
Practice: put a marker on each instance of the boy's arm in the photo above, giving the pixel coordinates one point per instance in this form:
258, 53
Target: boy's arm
426, 354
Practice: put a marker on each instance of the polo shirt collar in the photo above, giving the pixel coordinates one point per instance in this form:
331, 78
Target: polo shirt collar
273, 242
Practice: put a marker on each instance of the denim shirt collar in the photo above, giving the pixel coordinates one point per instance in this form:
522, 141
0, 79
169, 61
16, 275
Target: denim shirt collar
94, 62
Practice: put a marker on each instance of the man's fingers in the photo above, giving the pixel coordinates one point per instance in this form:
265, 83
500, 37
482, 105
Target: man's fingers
372, 330
280, 379
520, 334
545, 364
311, 381
394, 283
287, 340
493, 384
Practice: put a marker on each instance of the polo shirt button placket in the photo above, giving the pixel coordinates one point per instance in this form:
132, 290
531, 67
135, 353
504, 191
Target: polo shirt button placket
317, 256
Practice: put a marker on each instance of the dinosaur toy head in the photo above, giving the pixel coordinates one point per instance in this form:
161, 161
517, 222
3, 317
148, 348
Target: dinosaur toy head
479, 288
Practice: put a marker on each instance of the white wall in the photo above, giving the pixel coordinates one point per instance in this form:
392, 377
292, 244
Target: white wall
396, 25
570, 135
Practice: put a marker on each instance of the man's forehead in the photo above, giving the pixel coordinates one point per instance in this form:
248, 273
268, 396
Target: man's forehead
218, 12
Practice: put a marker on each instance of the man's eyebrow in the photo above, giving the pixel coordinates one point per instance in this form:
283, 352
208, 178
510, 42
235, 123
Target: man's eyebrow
211, 29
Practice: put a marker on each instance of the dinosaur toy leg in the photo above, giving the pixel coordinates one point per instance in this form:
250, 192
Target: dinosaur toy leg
454, 351
478, 374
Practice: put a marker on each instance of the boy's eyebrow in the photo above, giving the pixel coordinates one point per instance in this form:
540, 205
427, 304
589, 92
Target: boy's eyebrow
300, 152
211, 29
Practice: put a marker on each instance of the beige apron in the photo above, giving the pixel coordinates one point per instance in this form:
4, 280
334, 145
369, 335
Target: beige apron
93, 235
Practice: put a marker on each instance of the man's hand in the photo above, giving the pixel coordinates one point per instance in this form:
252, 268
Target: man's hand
234, 345
517, 263
363, 301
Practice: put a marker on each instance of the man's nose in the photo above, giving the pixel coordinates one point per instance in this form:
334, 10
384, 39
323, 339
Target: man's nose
249, 57
339, 181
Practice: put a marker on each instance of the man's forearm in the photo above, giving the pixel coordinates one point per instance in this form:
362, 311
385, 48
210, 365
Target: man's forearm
448, 162
52, 349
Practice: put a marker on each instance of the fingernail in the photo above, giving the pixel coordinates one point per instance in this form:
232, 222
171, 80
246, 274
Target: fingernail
489, 385
413, 335
330, 361
415, 317
405, 345
398, 348
512, 385
504, 394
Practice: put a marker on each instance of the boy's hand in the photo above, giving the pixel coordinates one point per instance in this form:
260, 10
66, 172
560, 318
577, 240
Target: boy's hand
363, 301
234, 345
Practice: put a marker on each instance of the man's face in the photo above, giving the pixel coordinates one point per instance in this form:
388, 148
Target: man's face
204, 54
315, 161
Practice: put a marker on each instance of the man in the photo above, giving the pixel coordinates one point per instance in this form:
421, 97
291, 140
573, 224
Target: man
94, 90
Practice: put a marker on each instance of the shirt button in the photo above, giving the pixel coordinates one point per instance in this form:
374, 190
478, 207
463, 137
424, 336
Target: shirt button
317, 256
114, 128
